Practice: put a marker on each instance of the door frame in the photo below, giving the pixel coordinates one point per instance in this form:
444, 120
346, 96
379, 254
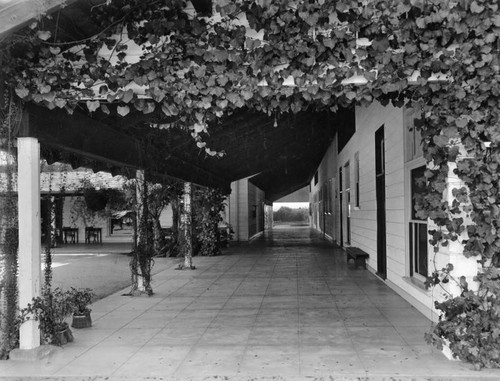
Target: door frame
341, 208
381, 203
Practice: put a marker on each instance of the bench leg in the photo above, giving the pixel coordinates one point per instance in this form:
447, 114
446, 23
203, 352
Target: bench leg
360, 262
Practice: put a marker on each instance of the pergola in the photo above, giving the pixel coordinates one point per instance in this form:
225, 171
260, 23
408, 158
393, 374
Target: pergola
279, 153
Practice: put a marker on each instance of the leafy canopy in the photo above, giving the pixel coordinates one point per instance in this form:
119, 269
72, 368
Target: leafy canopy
439, 56
162, 59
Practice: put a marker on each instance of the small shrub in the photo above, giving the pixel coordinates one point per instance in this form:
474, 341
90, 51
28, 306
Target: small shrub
470, 323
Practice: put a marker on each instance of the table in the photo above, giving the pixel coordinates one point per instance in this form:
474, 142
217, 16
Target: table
71, 233
93, 235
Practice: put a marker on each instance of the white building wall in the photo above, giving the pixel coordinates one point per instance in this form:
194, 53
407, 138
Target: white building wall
363, 219
74, 218
327, 173
256, 210
238, 209
244, 195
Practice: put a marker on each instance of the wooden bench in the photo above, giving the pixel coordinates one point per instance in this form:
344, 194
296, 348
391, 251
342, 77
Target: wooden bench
358, 255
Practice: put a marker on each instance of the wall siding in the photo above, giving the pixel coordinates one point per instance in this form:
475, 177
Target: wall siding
363, 219
326, 172
238, 210
255, 220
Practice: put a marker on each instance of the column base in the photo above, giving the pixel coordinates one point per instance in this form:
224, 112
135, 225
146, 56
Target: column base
35, 354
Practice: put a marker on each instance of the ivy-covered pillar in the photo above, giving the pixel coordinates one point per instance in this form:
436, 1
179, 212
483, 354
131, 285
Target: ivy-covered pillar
52, 236
139, 193
28, 185
452, 253
462, 266
186, 227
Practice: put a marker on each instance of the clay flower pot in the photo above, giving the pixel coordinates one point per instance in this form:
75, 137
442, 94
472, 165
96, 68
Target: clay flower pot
82, 321
63, 334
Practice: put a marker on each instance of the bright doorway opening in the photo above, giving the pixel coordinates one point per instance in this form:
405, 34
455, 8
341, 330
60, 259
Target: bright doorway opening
291, 213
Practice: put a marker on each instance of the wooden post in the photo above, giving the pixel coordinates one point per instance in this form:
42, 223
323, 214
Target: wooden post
186, 225
28, 186
139, 192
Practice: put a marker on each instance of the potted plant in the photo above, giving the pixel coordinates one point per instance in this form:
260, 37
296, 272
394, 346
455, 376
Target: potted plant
62, 308
51, 311
80, 300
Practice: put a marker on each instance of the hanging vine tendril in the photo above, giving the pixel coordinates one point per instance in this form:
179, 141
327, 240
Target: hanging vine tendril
10, 118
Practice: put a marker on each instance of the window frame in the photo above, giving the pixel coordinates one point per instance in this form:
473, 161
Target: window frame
413, 160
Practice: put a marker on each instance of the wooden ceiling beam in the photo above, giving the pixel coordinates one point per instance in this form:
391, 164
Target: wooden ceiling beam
18, 13
84, 136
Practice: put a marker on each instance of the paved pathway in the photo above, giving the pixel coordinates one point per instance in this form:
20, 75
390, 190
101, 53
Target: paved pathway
286, 307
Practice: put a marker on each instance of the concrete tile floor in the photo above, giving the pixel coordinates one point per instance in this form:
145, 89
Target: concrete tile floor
286, 307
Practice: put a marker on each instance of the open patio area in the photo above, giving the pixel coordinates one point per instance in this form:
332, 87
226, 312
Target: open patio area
285, 307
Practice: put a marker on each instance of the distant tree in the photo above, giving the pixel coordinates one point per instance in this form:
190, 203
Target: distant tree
286, 214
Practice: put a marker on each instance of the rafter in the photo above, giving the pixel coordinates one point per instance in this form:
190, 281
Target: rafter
95, 140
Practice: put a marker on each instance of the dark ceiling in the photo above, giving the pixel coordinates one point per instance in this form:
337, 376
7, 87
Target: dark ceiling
279, 160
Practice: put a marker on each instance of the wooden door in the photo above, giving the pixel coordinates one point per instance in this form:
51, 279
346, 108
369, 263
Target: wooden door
380, 197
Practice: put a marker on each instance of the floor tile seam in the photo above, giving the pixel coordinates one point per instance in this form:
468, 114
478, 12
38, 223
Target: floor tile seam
298, 312
395, 326
317, 260
254, 326
208, 286
177, 289
213, 318
227, 300
398, 334
220, 258
385, 316
191, 349
346, 329
91, 347
253, 267
143, 312
112, 310
134, 353
298, 315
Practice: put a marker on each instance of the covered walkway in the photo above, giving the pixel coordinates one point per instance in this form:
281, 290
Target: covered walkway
285, 307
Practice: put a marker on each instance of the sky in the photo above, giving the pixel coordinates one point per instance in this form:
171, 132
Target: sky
293, 205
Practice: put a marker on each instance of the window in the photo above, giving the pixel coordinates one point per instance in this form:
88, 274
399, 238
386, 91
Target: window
347, 198
417, 227
356, 179
330, 193
316, 178
326, 204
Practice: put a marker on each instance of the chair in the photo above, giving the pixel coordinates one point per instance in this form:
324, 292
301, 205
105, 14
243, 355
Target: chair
91, 235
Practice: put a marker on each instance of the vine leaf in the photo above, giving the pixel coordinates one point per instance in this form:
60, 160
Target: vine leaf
43, 35
93, 105
122, 110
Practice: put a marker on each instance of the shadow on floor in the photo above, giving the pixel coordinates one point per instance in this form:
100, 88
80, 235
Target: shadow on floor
285, 307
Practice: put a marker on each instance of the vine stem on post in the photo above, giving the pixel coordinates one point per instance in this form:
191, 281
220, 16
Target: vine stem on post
186, 227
